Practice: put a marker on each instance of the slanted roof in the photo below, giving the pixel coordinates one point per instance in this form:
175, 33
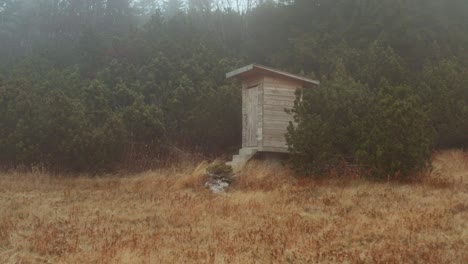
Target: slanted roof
260, 69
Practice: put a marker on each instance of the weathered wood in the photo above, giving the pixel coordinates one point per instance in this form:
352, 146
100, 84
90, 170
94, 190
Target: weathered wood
276, 110
290, 99
288, 103
280, 88
252, 82
272, 87
283, 81
282, 119
251, 116
239, 71
278, 96
267, 71
275, 149
274, 113
266, 94
282, 127
275, 132
275, 107
249, 82
275, 137
260, 114
268, 122
275, 91
274, 143
244, 113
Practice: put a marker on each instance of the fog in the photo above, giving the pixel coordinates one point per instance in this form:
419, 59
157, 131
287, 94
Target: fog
103, 85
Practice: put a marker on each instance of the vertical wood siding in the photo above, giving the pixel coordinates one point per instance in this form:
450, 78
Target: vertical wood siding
278, 95
251, 117
252, 111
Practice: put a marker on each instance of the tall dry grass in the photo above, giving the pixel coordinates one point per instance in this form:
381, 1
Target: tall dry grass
268, 216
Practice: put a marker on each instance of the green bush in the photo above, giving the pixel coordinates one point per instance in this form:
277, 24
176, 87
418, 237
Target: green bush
444, 89
397, 136
100, 90
220, 170
329, 122
383, 131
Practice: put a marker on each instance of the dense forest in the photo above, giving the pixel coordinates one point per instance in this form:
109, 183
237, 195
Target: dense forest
97, 85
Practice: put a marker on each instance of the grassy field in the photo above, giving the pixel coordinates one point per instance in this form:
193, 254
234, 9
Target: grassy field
268, 216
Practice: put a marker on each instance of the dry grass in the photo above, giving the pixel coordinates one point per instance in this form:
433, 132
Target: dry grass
268, 217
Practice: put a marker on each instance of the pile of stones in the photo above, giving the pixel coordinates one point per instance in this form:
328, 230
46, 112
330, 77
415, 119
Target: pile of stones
218, 178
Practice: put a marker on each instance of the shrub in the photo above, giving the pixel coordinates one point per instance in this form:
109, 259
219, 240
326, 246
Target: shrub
220, 170
383, 131
328, 122
397, 136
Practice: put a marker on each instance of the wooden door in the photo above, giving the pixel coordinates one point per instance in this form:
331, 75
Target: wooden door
251, 117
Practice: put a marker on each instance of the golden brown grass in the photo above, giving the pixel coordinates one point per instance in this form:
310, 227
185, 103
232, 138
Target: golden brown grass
268, 216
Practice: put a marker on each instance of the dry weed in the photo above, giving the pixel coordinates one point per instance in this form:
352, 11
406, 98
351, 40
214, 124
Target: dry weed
268, 216
450, 169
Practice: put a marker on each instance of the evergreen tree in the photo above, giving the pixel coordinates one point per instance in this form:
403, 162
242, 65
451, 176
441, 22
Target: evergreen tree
123, 79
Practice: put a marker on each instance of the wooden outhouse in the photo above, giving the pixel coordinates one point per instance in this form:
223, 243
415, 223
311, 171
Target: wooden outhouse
266, 93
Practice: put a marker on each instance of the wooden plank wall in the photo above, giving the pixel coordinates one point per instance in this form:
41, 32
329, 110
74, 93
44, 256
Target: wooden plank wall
250, 82
279, 94
251, 120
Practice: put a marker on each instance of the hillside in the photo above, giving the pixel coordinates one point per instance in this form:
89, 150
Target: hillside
268, 216
91, 86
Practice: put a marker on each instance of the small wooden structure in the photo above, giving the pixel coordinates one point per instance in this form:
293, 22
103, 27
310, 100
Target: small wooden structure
266, 93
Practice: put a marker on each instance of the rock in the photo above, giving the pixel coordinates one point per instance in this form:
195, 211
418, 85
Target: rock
217, 185
218, 178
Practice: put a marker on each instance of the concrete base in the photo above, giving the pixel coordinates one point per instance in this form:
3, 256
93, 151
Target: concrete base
238, 161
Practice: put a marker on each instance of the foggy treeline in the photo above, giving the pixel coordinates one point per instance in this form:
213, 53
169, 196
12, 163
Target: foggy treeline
90, 85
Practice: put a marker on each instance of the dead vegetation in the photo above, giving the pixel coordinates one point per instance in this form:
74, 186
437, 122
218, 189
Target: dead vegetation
268, 216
